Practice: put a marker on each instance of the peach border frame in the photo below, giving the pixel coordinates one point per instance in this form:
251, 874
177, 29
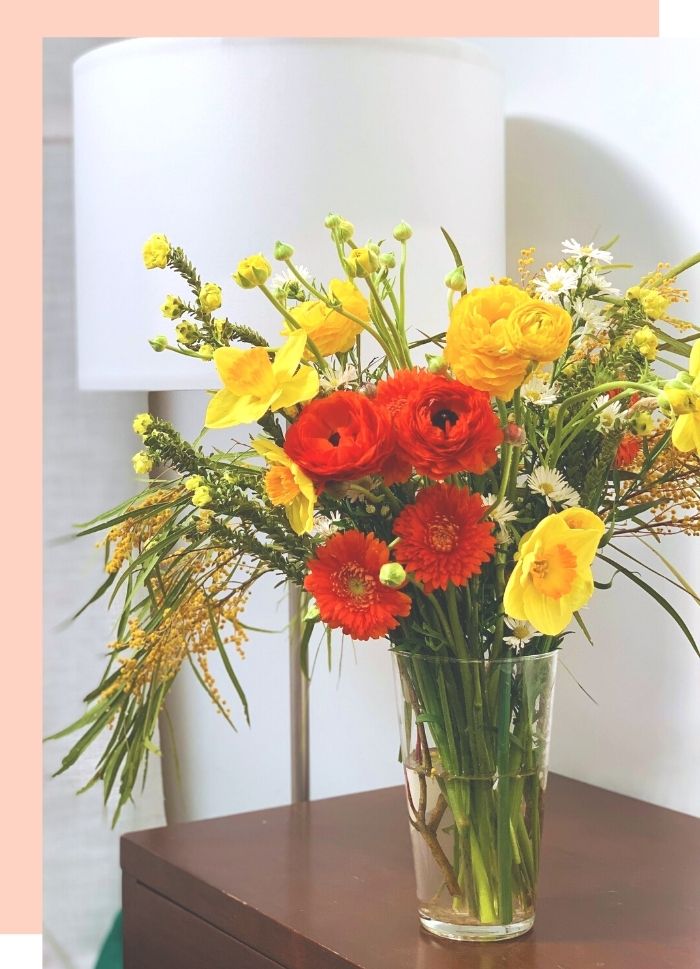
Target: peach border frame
20, 413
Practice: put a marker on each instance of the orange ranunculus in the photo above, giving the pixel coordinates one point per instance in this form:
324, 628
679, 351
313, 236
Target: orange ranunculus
341, 437
478, 348
539, 331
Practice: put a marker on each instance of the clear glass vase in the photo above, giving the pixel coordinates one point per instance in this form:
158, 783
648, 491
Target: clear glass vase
474, 746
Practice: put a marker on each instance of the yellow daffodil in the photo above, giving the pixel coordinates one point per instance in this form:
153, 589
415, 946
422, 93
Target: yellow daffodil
253, 384
686, 430
288, 486
552, 576
330, 331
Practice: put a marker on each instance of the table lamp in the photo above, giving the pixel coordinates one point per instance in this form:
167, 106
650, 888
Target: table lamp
227, 144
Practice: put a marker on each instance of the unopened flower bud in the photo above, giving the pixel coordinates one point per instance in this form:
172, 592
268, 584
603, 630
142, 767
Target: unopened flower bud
332, 221
393, 575
402, 232
252, 271
186, 333
312, 612
387, 260
222, 329
172, 307
436, 363
514, 434
206, 351
159, 343
644, 424
344, 230
194, 482
283, 251
456, 280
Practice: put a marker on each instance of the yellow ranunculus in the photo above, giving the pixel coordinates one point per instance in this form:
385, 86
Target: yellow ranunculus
539, 331
330, 331
252, 271
155, 252
552, 576
287, 485
253, 384
646, 341
478, 348
686, 431
363, 261
210, 297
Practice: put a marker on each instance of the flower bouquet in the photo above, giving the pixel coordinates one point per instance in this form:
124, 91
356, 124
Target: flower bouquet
448, 492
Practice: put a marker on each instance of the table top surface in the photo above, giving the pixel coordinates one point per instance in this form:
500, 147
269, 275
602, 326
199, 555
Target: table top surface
330, 884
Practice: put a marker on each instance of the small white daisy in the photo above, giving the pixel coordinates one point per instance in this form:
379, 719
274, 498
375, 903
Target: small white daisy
537, 389
599, 282
500, 514
324, 527
556, 282
523, 631
553, 485
607, 417
282, 279
570, 247
338, 378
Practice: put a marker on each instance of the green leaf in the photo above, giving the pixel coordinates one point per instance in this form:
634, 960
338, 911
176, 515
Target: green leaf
227, 665
453, 248
633, 577
582, 626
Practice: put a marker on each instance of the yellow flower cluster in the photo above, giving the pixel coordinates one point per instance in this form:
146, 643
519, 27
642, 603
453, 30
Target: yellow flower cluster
497, 332
157, 654
133, 533
156, 250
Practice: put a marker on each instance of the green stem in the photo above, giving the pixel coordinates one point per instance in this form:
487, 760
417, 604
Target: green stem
323, 364
682, 266
504, 847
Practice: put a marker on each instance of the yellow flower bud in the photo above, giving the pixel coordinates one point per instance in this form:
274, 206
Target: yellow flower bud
345, 230
652, 301
222, 329
155, 252
210, 297
172, 307
402, 232
206, 351
363, 261
202, 496
644, 424
647, 342
253, 271
193, 482
186, 333
142, 462
141, 423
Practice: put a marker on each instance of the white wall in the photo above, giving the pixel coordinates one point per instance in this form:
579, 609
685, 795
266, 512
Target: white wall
87, 443
603, 136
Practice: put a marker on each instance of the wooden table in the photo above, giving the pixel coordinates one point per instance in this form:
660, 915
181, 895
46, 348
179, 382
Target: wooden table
330, 884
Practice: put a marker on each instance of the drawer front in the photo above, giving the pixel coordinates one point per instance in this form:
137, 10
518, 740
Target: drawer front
158, 934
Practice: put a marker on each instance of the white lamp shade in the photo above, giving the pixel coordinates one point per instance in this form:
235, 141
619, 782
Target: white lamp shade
225, 145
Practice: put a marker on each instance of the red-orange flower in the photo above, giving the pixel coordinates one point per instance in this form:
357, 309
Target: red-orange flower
627, 451
443, 538
341, 437
442, 426
344, 580
394, 395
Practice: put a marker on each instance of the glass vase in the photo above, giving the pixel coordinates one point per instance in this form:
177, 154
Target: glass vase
474, 747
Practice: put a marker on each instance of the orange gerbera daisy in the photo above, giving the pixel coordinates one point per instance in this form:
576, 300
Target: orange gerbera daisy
443, 537
344, 580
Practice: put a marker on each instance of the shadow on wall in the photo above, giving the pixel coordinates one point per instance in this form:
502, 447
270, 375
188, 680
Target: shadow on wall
561, 182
